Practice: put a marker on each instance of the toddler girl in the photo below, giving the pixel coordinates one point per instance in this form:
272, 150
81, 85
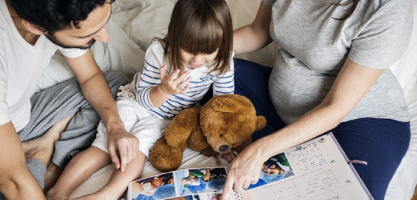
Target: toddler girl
178, 70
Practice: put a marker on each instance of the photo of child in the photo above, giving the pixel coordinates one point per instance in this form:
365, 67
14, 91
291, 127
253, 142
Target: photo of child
181, 198
196, 181
209, 196
277, 168
274, 169
154, 188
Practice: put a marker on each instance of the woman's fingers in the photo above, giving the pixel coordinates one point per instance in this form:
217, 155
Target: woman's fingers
246, 185
238, 186
244, 170
228, 187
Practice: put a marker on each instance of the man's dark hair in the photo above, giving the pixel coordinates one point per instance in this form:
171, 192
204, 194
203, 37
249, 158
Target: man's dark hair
55, 15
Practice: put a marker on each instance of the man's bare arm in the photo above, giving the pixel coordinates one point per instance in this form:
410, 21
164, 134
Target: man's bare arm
16, 182
97, 92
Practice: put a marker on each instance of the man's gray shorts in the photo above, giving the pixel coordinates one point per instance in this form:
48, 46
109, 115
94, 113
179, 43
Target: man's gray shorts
54, 104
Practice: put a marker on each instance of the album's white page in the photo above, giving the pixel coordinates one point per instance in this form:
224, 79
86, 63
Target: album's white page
321, 171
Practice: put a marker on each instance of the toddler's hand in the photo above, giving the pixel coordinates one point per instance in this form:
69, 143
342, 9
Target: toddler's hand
227, 156
174, 83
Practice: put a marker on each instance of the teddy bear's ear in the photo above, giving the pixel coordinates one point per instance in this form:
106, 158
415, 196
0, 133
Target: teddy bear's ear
223, 105
261, 123
230, 103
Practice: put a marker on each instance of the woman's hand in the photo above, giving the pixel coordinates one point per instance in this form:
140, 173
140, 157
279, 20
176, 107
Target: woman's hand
174, 83
244, 170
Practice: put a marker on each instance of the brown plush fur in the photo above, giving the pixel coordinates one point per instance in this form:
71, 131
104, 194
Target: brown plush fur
225, 123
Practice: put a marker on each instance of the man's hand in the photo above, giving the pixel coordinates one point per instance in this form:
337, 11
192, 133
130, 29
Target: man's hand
122, 147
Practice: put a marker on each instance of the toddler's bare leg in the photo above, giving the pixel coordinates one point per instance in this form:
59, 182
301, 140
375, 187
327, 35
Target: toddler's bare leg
78, 170
119, 180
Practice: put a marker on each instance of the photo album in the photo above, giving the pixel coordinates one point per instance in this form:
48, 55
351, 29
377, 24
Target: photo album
317, 169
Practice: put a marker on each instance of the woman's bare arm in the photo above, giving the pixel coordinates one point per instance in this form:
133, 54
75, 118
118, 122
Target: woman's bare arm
253, 36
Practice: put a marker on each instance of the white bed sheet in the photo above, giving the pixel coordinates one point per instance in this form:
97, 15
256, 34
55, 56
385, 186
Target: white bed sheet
132, 14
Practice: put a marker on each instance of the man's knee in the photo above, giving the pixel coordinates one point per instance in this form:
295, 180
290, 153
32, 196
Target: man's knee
13, 179
7, 185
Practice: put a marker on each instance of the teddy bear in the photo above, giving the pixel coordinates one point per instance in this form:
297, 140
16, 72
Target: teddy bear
224, 123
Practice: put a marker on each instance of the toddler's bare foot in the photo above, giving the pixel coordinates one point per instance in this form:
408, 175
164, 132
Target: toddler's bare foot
42, 147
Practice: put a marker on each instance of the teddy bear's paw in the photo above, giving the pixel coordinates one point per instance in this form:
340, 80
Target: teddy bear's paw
164, 157
209, 152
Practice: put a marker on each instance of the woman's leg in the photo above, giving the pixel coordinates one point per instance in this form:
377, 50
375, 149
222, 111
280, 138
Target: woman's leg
119, 180
382, 143
251, 81
78, 170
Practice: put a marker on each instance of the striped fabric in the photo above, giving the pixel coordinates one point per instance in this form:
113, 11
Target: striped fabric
200, 83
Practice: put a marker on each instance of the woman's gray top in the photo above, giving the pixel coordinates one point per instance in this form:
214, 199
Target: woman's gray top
313, 46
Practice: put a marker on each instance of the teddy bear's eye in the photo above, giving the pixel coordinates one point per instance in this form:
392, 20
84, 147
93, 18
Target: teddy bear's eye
221, 135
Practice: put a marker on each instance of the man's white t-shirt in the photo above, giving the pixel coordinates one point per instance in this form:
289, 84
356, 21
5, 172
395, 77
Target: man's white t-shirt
21, 66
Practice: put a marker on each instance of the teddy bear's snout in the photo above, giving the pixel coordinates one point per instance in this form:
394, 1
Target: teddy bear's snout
224, 148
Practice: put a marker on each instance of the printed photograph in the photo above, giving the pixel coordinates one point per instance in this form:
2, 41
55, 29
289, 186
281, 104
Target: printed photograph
208, 196
197, 181
154, 188
274, 169
181, 198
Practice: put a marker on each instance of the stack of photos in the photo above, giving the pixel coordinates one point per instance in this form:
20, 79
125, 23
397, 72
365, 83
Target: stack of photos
208, 196
202, 183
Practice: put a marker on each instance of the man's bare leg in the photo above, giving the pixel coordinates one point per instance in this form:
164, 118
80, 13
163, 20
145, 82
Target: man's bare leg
42, 148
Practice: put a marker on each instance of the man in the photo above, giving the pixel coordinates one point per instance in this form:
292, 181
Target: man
30, 33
